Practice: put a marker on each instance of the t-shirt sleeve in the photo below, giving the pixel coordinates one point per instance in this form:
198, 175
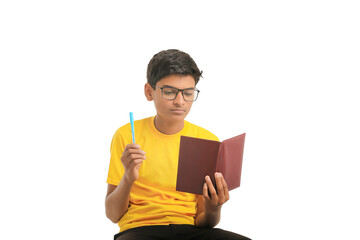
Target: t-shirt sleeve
116, 168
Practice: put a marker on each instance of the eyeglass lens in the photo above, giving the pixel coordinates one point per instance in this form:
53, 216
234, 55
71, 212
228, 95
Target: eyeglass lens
171, 93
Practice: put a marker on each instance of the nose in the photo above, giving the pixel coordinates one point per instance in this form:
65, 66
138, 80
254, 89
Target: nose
179, 100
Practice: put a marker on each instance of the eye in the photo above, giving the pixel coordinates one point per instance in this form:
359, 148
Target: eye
189, 93
169, 91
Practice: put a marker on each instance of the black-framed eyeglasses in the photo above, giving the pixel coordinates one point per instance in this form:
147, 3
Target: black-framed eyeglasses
170, 93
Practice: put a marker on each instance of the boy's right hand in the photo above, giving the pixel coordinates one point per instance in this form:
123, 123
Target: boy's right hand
132, 158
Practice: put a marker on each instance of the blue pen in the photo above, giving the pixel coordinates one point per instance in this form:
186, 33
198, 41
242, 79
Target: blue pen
132, 127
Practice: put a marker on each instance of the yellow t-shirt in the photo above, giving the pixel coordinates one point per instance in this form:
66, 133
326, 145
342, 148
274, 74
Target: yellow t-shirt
153, 198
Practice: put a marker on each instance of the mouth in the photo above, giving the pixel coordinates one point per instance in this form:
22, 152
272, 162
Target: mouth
178, 110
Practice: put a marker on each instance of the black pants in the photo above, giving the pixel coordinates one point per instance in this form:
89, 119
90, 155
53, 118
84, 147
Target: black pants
177, 232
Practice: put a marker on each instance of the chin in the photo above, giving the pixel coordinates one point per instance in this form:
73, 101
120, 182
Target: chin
178, 116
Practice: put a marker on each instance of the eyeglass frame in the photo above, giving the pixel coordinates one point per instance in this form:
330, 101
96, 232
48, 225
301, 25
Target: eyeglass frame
178, 90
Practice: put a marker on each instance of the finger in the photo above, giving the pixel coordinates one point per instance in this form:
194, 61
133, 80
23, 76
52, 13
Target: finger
138, 151
128, 148
126, 160
130, 152
219, 187
226, 189
211, 187
205, 191
135, 163
134, 156
132, 145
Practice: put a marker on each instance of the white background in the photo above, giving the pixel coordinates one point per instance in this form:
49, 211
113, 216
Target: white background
284, 72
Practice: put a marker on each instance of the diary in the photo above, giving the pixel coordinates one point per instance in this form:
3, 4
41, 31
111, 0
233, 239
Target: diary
201, 157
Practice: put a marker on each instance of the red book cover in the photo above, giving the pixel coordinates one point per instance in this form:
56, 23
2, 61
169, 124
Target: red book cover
201, 157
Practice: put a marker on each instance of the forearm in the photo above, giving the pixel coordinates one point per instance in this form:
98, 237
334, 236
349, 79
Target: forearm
117, 202
208, 219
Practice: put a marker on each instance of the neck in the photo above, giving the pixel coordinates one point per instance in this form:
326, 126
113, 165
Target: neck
168, 127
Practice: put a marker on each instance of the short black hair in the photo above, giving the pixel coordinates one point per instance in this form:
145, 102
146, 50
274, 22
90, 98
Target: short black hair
169, 62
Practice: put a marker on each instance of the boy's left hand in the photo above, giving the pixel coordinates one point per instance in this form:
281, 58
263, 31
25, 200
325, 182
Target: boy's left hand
218, 196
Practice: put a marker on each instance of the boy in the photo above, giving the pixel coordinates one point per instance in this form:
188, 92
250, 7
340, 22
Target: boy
141, 195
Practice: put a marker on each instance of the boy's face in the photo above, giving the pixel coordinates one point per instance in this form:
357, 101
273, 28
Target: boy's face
171, 110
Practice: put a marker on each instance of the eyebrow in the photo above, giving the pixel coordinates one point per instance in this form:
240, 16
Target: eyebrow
192, 88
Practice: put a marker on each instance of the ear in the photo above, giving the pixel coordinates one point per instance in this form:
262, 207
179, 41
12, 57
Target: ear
148, 92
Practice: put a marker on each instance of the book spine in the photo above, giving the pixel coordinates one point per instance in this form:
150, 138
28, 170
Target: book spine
219, 158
